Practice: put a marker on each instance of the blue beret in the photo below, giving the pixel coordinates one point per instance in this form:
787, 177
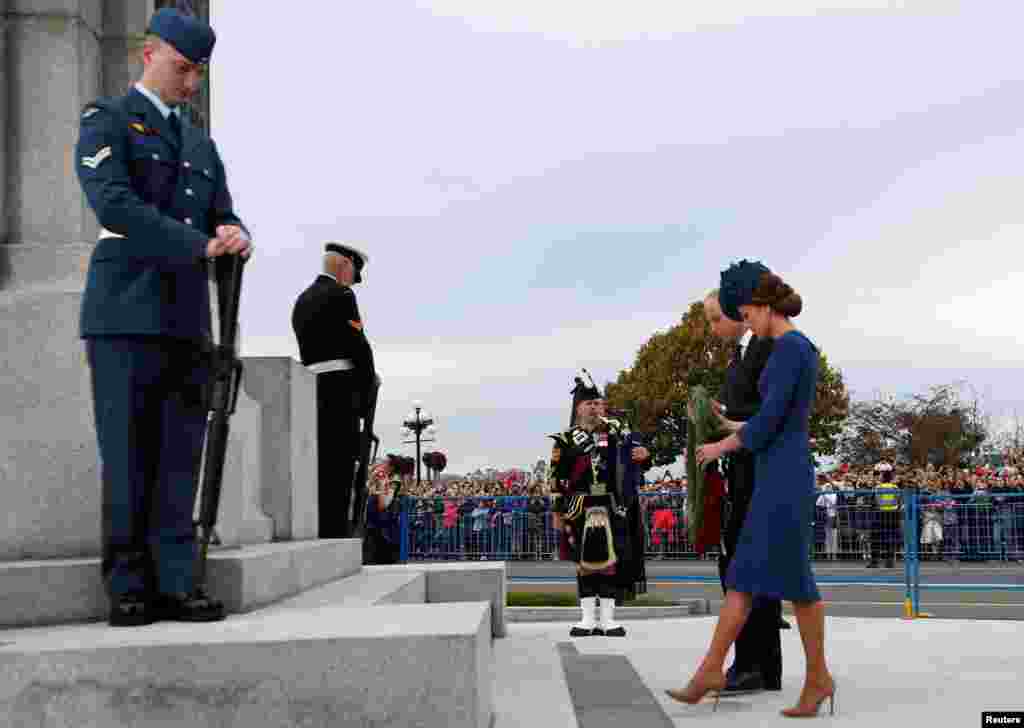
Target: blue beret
190, 36
738, 283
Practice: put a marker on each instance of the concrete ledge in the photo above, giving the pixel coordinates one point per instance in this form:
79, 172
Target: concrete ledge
696, 607
411, 665
466, 581
361, 590
59, 591
259, 575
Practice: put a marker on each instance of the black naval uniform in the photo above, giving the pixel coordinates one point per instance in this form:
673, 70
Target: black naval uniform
158, 188
758, 647
332, 343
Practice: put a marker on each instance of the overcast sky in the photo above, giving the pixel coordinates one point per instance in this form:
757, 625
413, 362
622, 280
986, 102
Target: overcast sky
541, 184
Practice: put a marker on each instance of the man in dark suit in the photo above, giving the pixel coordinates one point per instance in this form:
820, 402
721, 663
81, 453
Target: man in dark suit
157, 186
334, 346
758, 663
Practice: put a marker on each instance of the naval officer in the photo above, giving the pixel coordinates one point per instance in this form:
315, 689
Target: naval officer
158, 188
333, 345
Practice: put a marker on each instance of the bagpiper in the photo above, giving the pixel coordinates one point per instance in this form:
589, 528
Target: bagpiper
591, 464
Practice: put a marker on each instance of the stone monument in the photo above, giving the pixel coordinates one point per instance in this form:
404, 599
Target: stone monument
55, 57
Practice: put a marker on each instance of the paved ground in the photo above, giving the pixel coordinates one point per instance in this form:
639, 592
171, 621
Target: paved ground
890, 672
962, 591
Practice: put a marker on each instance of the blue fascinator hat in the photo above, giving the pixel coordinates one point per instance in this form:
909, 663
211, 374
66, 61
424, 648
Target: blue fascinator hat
737, 286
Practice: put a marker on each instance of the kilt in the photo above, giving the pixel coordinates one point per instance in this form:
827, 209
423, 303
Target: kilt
590, 536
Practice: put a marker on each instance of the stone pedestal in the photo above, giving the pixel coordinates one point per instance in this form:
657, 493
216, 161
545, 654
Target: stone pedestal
241, 519
48, 459
285, 392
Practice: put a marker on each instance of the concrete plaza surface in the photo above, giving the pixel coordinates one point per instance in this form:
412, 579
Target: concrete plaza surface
926, 672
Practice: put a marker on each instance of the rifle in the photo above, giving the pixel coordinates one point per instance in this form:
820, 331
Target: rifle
222, 396
359, 489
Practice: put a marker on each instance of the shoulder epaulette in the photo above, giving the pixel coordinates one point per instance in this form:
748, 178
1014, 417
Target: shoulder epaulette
559, 437
101, 104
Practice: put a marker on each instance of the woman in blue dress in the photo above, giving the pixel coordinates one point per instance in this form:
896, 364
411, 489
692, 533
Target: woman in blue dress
773, 551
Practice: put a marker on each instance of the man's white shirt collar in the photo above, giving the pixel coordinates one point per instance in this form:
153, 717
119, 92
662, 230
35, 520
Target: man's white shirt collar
745, 342
163, 108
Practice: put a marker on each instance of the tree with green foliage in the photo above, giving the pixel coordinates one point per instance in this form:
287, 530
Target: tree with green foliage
654, 391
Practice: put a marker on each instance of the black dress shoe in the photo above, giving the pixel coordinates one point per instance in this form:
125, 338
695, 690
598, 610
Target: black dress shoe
580, 632
131, 609
744, 683
614, 632
597, 632
194, 607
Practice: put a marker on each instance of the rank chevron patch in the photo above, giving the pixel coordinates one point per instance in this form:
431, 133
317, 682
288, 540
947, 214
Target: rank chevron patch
96, 160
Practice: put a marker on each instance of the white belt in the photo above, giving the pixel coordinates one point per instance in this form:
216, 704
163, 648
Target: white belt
334, 365
104, 234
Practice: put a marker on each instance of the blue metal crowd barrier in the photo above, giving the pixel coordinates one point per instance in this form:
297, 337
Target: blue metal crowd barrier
846, 526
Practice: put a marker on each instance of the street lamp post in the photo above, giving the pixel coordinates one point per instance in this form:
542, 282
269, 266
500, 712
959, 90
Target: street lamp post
416, 424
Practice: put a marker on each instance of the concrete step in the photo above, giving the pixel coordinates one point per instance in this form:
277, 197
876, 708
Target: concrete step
364, 589
468, 581
421, 665
61, 591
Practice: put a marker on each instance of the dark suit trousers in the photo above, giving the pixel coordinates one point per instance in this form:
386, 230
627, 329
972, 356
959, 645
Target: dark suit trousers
148, 397
338, 409
758, 647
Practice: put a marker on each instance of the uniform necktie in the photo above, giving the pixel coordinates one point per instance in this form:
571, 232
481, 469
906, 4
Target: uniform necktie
175, 124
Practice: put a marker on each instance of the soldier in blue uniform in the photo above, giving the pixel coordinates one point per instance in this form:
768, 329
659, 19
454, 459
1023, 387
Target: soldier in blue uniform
594, 469
157, 186
333, 345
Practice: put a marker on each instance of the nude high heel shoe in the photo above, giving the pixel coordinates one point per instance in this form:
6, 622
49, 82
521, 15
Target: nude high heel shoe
810, 709
695, 691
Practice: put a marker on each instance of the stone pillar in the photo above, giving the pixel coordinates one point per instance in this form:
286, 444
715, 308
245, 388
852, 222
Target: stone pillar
48, 460
124, 29
3, 140
54, 47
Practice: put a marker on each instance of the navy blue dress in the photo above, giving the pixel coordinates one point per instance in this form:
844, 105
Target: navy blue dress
773, 551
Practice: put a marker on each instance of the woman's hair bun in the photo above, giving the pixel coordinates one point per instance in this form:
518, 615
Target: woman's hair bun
775, 292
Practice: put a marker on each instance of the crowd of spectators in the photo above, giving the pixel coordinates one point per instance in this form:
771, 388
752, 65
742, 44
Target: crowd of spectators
966, 514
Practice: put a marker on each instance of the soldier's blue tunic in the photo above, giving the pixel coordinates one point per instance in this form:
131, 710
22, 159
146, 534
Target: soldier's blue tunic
146, 317
166, 198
